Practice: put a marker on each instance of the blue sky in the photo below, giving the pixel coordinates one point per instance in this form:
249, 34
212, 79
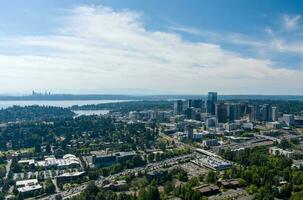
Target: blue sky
135, 46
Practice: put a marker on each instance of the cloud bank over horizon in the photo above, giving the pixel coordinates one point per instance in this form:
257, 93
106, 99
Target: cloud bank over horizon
97, 48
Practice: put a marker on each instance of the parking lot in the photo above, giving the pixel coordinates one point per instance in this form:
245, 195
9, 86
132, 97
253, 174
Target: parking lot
193, 169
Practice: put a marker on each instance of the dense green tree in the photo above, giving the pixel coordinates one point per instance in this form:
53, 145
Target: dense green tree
49, 186
211, 177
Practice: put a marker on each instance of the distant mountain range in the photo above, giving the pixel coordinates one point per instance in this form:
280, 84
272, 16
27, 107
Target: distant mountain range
60, 97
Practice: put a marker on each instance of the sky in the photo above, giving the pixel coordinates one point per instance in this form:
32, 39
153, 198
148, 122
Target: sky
151, 47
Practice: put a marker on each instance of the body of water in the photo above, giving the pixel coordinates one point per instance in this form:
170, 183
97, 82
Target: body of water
59, 103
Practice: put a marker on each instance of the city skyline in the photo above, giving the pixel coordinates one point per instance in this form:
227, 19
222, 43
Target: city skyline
131, 47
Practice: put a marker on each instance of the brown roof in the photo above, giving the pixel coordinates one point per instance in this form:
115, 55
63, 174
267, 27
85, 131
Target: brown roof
207, 188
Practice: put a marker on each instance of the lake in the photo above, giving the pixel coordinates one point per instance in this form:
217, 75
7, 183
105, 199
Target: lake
59, 103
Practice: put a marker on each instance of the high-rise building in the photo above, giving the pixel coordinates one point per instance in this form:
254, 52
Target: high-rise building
189, 113
265, 113
189, 103
210, 102
221, 112
210, 122
197, 103
274, 113
233, 111
178, 107
190, 131
289, 119
253, 114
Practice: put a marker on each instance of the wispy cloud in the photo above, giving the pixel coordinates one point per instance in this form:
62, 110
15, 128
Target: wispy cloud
228, 37
276, 41
291, 22
100, 48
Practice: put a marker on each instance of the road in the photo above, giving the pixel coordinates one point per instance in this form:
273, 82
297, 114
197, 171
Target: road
149, 167
8, 167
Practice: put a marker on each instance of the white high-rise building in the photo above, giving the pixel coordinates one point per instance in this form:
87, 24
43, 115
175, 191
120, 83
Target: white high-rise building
274, 114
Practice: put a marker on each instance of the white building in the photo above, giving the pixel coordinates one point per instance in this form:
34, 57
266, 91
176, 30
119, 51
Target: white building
273, 125
288, 119
28, 187
248, 126
277, 151
68, 160
212, 163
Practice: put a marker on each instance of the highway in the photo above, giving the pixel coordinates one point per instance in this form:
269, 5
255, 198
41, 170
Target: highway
149, 167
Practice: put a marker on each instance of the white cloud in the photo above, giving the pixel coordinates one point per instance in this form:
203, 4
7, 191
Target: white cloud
291, 23
234, 38
99, 48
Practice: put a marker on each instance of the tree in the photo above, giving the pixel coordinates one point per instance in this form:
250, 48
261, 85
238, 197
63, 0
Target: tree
20, 196
284, 144
211, 177
296, 196
182, 175
168, 187
2, 196
158, 156
49, 187
151, 157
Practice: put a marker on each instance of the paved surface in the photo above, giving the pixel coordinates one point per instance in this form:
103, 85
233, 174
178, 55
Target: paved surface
149, 167
8, 167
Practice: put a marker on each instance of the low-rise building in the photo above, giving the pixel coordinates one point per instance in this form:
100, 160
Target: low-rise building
248, 126
278, 151
27, 162
273, 125
212, 163
208, 190
106, 158
70, 176
210, 143
229, 184
67, 161
181, 136
230, 126
28, 187
28, 182
198, 136
288, 119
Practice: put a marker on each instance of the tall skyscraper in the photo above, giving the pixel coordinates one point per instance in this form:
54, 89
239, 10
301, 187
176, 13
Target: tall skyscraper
253, 114
221, 112
265, 112
274, 113
210, 102
178, 107
189, 103
197, 103
190, 131
233, 111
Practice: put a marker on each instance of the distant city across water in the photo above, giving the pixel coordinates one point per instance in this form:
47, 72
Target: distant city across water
57, 103
70, 100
